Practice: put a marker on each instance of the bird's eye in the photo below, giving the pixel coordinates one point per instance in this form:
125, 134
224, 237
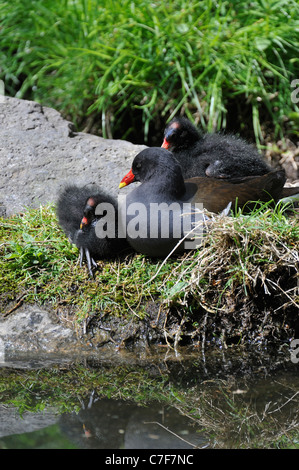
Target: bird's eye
138, 165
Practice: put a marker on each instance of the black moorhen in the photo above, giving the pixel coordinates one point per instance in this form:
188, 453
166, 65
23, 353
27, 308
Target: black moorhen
76, 211
213, 155
162, 182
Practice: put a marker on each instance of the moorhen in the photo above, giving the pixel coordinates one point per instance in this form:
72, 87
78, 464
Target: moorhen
213, 155
164, 188
77, 215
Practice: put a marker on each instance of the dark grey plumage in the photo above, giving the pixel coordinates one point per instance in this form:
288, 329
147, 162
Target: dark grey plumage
214, 155
76, 211
159, 212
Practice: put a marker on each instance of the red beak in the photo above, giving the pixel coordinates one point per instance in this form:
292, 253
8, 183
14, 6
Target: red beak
84, 222
165, 144
128, 179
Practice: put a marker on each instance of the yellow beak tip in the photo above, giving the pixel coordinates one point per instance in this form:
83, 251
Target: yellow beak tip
121, 185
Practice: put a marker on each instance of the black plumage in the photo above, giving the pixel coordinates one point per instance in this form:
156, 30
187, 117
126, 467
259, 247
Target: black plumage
212, 155
77, 215
164, 189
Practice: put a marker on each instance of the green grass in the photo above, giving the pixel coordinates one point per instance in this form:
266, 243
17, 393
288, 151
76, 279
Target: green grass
246, 266
141, 63
237, 248
40, 264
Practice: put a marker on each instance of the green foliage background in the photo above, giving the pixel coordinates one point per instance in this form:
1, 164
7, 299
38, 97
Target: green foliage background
135, 64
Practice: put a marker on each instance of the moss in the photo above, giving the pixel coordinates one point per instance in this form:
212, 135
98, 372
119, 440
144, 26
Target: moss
239, 286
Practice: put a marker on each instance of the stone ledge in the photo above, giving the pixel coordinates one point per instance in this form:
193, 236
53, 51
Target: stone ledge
40, 153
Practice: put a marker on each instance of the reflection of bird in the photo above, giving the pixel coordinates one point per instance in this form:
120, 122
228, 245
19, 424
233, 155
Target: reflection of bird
162, 182
76, 211
214, 155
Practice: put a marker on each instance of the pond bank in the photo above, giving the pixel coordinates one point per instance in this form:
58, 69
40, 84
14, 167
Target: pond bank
239, 289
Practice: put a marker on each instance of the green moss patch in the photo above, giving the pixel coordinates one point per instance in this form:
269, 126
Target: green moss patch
239, 286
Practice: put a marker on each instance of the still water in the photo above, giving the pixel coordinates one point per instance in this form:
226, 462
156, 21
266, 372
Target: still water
164, 401
105, 424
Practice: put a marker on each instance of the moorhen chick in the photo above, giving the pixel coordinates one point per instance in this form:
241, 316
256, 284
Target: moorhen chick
76, 211
213, 155
164, 187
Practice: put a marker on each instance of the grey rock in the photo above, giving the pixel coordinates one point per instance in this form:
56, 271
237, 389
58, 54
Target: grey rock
40, 153
32, 329
12, 423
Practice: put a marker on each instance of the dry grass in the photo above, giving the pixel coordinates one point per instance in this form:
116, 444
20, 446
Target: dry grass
242, 284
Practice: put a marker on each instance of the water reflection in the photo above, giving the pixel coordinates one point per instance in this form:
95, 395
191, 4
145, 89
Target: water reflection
101, 424
114, 424
234, 401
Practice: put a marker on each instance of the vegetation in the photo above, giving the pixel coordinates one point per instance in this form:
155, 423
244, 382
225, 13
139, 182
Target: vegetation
240, 286
226, 64
41, 265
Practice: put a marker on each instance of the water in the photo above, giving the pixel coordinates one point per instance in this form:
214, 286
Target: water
164, 401
104, 424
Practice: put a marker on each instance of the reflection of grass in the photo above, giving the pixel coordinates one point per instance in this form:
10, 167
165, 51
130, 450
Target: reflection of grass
236, 420
63, 388
240, 284
156, 58
230, 413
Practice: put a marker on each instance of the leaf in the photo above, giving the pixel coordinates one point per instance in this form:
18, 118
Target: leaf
177, 288
183, 28
262, 43
28, 238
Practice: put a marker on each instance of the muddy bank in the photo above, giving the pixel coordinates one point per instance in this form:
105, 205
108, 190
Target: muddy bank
34, 339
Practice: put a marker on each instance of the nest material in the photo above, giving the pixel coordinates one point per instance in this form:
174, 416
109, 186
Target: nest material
243, 284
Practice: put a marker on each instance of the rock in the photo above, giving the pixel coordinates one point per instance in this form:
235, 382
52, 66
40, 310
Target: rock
31, 329
40, 153
12, 423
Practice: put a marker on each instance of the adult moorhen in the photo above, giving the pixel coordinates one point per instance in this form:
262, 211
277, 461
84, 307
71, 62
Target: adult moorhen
156, 233
213, 155
77, 215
